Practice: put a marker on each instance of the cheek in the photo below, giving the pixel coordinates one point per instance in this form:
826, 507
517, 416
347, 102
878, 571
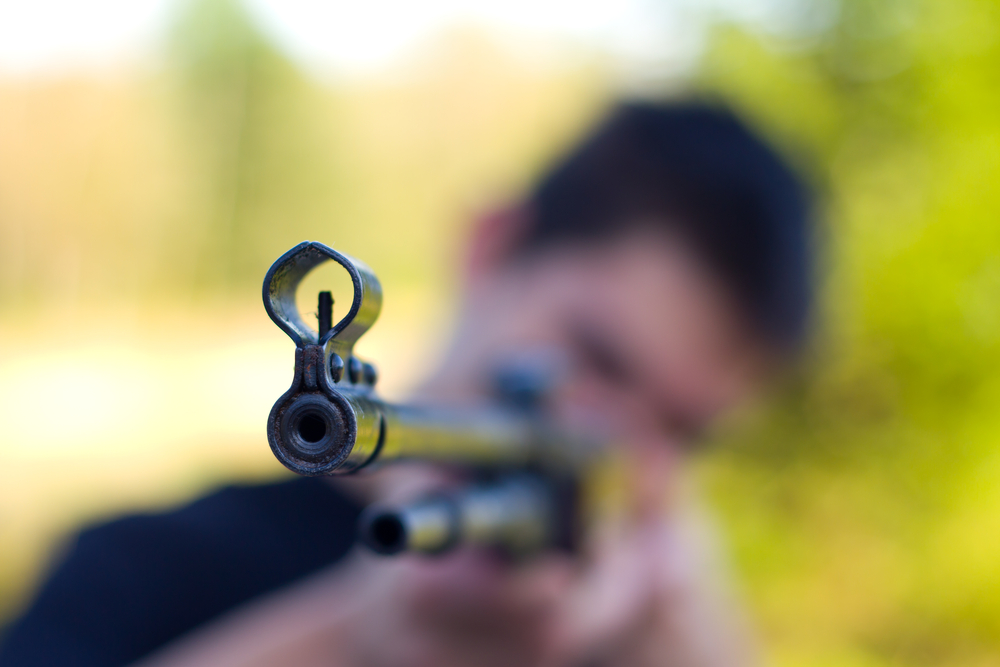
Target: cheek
597, 406
692, 372
711, 389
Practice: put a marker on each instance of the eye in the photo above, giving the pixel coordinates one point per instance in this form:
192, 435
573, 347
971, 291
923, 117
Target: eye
600, 355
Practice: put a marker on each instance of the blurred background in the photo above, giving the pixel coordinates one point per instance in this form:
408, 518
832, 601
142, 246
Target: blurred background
156, 156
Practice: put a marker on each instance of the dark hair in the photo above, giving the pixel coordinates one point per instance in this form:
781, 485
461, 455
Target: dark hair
698, 170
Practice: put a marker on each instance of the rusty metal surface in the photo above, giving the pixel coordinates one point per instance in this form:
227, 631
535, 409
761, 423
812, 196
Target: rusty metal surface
328, 420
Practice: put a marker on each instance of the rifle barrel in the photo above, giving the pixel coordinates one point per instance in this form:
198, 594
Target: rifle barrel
516, 515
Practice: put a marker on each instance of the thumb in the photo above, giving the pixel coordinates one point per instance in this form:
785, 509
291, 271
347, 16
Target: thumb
612, 594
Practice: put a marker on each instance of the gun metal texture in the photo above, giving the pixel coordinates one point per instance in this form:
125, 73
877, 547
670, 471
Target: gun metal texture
525, 475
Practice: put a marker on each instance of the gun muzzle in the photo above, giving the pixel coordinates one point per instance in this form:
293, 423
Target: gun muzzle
516, 515
330, 421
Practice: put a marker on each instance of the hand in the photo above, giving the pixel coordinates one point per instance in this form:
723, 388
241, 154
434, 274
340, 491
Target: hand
645, 599
650, 590
643, 593
639, 596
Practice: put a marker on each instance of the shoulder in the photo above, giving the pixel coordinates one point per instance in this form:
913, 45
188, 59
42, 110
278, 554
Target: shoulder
246, 537
128, 586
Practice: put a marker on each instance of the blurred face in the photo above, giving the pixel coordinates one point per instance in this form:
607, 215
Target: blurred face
647, 349
650, 344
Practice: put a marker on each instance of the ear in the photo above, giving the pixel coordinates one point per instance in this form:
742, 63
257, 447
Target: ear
495, 235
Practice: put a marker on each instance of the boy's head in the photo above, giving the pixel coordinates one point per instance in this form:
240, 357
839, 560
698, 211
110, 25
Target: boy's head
667, 257
697, 172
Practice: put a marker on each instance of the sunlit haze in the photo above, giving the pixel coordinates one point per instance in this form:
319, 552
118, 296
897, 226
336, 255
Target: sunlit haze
352, 37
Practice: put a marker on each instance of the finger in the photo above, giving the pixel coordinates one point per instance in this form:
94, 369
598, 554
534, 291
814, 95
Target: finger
611, 595
541, 584
470, 583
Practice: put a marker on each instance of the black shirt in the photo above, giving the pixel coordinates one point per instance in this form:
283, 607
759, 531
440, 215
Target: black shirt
130, 586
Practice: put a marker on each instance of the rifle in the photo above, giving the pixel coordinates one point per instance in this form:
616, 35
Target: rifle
525, 475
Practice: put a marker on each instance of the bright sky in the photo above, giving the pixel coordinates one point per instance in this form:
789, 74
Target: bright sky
356, 35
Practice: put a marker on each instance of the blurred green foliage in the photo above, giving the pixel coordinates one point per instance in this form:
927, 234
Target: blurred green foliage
864, 501
184, 179
279, 156
263, 145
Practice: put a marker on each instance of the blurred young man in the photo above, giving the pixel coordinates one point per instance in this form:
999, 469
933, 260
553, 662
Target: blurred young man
666, 262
